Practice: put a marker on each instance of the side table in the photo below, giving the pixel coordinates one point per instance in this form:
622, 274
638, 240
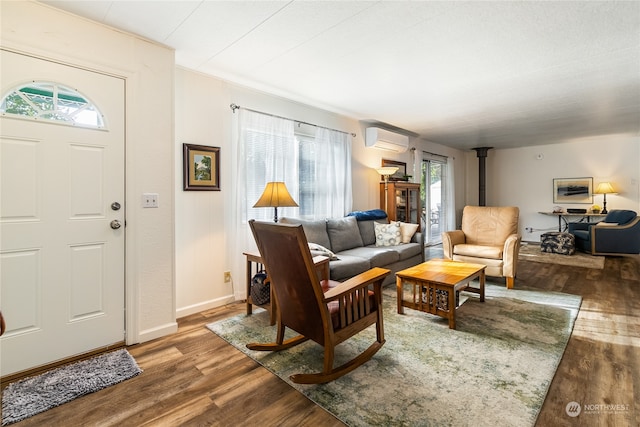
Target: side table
255, 264
564, 217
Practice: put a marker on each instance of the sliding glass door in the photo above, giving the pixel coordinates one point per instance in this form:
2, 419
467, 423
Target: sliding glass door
433, 193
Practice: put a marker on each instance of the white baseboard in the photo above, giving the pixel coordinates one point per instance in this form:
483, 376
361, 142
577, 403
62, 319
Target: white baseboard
157, 332
206, 305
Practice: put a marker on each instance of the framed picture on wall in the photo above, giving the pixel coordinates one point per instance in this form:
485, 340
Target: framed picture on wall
400, 173
201, 167
573, 190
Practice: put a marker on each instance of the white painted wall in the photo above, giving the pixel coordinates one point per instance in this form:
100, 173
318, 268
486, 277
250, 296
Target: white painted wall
148, 68
517, 177
201, 257
205, 234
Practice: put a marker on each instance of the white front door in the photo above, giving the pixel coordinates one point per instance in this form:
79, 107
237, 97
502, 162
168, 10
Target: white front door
61, 262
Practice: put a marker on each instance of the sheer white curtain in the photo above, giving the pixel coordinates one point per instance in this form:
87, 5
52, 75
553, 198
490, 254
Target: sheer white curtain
332, 174
450, 195
266, 151
269, 152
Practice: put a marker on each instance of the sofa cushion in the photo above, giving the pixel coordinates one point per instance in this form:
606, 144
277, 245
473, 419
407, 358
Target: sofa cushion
582, 234
406, 250
316, 230
620, 216
347, 266
478, 251
495, 267
343, 233
407, 231
368, 232
387, 234
377, 256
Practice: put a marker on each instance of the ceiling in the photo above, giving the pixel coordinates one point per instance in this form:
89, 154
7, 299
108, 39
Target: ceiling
462, 74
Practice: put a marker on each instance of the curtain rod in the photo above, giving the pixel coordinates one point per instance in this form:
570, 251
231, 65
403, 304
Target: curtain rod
434, 154
235, 107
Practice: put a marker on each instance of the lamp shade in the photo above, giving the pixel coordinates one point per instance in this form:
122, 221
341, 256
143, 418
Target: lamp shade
275, 195
387, 170
604, 188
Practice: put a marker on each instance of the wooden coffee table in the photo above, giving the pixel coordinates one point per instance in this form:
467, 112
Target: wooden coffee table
436, 286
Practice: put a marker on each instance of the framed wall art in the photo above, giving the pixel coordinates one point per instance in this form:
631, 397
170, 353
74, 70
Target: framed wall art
400, 173
201, 167
573, 190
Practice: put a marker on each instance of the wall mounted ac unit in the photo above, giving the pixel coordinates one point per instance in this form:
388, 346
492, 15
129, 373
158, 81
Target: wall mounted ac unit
386, 140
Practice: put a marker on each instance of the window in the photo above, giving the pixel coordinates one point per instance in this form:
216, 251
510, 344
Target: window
315, 166
306, 181
51, 102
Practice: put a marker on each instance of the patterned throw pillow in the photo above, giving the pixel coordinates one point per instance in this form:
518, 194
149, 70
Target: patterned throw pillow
387, 234
321, 250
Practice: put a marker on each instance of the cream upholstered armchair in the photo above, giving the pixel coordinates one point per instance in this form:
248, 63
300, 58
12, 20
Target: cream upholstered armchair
489, 236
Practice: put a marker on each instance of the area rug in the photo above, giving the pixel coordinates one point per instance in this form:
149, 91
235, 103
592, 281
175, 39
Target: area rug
30, 396
494, 369
531, 252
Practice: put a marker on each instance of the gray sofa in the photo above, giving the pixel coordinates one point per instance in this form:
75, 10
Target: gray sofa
354, 244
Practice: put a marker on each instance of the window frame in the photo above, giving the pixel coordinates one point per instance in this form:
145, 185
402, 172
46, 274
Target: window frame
66, 104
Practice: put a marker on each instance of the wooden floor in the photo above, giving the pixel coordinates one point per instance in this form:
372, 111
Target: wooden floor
194, 378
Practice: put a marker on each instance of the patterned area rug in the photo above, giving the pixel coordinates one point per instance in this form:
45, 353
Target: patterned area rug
494, 369
531, 252
31, 396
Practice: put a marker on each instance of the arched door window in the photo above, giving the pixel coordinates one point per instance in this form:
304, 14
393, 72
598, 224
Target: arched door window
51, 102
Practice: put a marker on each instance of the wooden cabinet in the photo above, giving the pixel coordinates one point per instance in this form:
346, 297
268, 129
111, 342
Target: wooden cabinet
402, 202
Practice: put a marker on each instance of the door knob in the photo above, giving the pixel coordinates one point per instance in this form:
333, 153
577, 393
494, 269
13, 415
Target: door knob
115, 224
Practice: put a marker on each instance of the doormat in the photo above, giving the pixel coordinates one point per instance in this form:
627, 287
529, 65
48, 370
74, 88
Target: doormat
30, 396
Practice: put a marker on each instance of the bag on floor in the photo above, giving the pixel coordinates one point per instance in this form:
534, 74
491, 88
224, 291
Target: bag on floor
260, 288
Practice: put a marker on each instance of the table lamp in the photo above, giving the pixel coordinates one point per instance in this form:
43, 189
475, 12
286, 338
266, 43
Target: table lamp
275, 194
604, 188
385, 171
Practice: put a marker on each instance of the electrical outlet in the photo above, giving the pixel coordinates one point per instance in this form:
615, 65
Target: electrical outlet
529, 229
149, 200
227, 276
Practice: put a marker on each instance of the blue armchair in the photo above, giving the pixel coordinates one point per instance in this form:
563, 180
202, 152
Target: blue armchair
619, 233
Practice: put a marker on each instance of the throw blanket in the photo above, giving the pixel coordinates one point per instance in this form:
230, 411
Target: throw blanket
368, 215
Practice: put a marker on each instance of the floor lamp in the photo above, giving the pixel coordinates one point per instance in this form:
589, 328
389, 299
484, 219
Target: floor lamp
385, 171
275, 195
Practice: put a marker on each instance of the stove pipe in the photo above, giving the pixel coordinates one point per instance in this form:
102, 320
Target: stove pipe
482, 175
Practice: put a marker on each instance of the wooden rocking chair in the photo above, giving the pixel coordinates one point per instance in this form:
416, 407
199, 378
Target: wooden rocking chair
326, 311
